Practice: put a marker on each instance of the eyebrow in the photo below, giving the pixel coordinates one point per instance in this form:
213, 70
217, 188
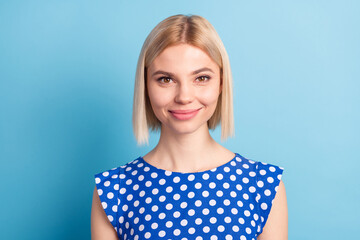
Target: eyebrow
204, 69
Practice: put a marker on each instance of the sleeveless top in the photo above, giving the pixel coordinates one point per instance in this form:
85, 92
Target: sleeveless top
231, 201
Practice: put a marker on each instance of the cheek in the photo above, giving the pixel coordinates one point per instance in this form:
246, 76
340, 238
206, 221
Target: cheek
209, 96
158, 98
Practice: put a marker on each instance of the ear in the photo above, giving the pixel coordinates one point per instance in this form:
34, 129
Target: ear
221, 85
221, 80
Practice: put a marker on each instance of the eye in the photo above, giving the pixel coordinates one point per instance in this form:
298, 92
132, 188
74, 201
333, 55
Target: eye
203, 79
164, 80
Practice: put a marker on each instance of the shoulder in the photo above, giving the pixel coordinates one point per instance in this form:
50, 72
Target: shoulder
107, 177
268, 187
113, 175
264, 181
260, 170
108, 184
268, 174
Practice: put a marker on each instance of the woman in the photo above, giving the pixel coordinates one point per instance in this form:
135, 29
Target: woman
188, 186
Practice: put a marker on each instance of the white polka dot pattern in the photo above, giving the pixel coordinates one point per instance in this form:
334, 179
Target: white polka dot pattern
232, 201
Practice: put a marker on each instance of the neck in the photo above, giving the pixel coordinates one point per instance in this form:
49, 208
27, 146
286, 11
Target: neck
190, 152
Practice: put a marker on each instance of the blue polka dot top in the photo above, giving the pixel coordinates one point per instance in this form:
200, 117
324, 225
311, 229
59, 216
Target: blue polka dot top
232, 201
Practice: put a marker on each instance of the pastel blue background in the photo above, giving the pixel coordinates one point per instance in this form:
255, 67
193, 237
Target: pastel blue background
66, 84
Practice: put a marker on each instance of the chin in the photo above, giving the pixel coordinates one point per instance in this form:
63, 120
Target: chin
186, 128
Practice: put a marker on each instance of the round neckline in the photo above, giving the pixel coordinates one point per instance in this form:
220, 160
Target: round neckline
187, 173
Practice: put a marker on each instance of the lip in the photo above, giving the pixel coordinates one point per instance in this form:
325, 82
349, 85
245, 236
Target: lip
184, 111
185, 114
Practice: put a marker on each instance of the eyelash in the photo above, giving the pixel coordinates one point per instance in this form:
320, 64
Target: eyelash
203, 76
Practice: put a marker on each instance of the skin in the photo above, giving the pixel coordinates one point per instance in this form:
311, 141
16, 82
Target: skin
184, 77
183, 144
101, 228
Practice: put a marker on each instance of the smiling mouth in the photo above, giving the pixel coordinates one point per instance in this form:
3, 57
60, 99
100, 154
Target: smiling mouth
184, 114
184, 111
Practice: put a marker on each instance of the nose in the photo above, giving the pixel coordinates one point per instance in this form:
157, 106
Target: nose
185, 94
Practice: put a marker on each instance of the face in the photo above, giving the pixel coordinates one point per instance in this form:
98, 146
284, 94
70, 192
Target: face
183, 86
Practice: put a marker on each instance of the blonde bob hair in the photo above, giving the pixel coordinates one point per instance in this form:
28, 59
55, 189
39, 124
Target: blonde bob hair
179, 29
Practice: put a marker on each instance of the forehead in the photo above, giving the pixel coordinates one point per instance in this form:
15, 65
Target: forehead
182, 57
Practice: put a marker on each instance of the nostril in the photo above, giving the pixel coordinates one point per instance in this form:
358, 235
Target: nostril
184, 96
183, 99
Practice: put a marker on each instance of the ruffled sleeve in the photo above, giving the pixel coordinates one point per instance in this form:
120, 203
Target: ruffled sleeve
268, 180
107, 184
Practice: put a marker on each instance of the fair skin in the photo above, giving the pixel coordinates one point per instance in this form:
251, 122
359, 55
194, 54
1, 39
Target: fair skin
184, 77
183, 86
